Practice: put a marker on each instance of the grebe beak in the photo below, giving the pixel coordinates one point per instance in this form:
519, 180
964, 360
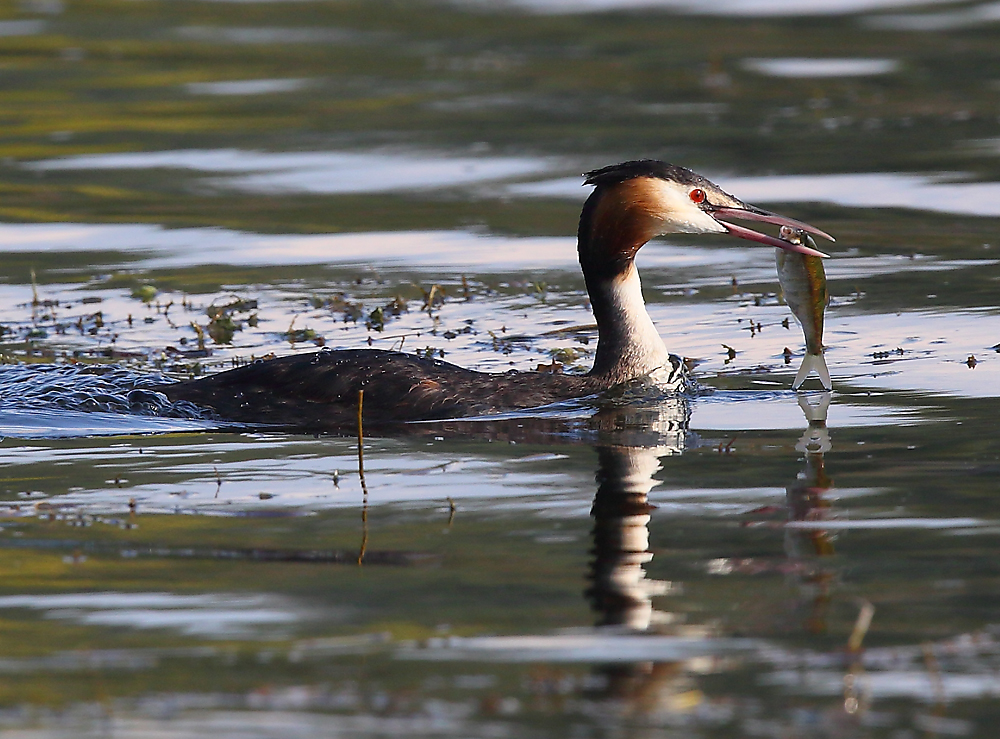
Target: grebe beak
750, 213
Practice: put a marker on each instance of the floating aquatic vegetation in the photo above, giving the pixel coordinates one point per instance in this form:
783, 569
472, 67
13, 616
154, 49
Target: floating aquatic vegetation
568, 356
300, 335
238, 305
376, 320
351, 310
145, 293
222, 326
434, 297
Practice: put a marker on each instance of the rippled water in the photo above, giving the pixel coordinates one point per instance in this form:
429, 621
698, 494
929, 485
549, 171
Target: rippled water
188, 186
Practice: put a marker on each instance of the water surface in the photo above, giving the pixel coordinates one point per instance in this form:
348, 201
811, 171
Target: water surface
191, 185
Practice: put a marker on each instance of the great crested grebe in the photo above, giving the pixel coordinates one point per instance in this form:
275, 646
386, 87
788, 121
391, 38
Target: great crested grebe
631, 203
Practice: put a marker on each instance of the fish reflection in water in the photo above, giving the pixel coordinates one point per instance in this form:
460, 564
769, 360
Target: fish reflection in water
806, 502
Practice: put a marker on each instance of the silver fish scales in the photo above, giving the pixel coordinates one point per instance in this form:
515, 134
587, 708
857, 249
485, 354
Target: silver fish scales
803, 284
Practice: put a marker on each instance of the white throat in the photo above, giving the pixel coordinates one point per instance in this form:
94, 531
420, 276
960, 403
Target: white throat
630, 345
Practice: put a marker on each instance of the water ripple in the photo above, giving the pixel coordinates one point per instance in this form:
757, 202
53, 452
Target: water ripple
75, 400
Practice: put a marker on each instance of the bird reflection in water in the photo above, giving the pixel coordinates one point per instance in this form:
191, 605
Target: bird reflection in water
620, 593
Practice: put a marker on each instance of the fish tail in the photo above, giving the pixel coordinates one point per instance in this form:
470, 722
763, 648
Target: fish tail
812, 362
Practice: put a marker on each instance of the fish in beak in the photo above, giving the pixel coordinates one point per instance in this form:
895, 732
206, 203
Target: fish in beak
749, 213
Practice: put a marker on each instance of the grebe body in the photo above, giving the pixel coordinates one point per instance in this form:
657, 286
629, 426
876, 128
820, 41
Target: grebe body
631, 203
320, 389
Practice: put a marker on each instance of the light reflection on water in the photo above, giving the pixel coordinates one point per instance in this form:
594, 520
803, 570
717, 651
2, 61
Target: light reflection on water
22, 27
289, 475
818, 68
270, 35
590, 647
372, 172
315, 172
944, 193
969, 17
54, 424
154, 247
750, 8
213, 616
247, 87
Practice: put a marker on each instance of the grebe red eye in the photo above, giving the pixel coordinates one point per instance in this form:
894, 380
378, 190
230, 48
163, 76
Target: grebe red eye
697, 195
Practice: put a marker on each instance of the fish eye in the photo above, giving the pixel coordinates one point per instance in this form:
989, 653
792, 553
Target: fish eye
697, 195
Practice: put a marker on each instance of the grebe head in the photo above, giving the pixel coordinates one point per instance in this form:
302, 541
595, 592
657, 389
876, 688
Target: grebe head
636, 201
633, 202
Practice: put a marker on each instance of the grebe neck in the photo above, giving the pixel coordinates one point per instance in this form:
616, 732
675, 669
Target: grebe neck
629, 345
614, 225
